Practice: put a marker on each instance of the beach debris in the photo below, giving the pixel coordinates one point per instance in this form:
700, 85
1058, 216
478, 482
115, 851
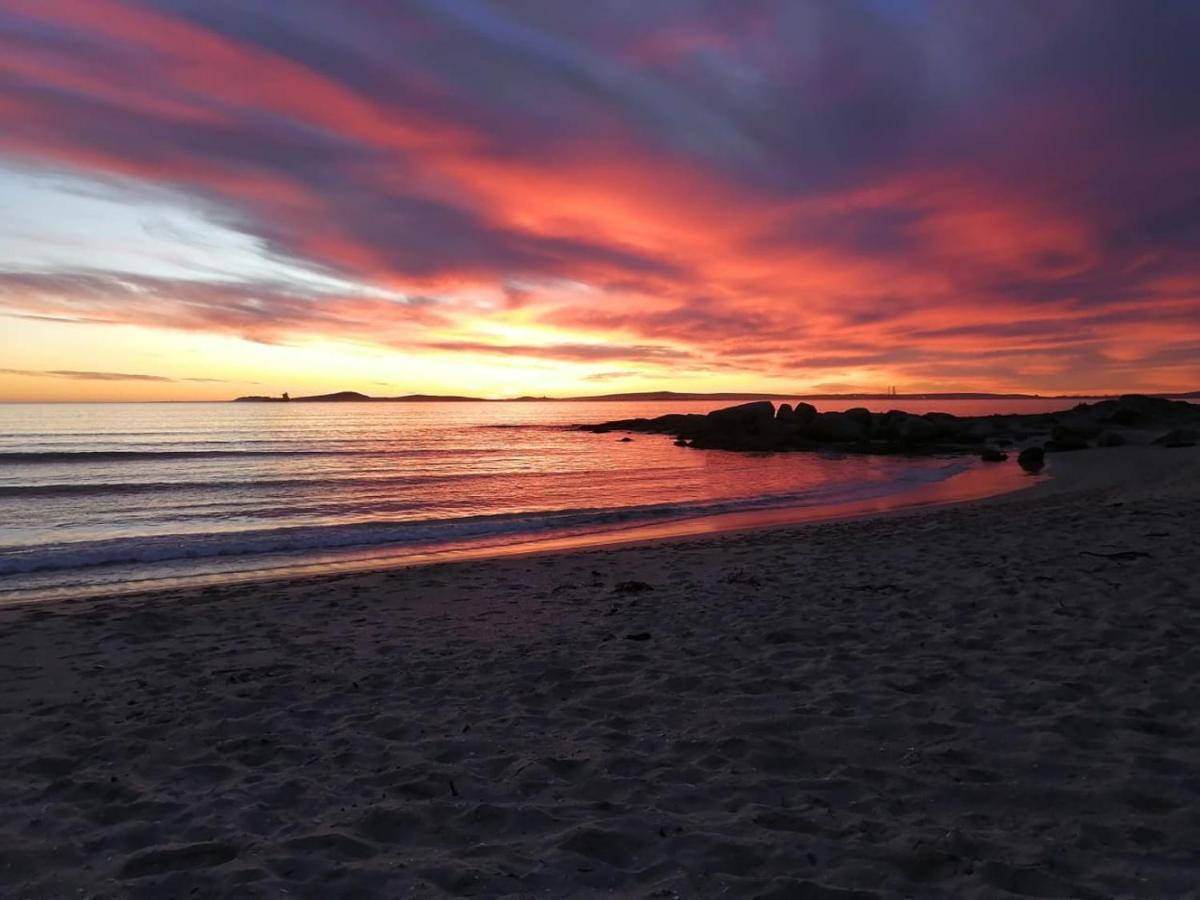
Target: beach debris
638, 636
1032, 459
632, 587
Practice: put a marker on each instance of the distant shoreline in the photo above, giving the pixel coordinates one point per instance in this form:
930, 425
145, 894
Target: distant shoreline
667, 396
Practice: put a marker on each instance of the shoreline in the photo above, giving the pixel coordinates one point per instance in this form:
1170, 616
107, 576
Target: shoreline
980, 482
984, 483
994, 698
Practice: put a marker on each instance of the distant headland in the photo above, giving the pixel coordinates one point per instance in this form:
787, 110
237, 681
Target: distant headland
644, 396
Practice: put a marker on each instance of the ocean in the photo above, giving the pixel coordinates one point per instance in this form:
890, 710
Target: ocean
99, 496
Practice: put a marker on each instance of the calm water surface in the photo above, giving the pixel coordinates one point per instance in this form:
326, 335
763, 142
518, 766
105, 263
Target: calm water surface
103, 494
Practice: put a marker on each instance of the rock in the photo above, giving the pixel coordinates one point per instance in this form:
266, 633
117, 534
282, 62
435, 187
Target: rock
832, 426
625, 440
753, 418
786, 419
1137, 411
916, 430
759, 427
1074, 434
1066, 444
1083, 429
859, 414
886, 425
982, 430
991, 454
1032, 459
1111, 439
805, 412
1179, 437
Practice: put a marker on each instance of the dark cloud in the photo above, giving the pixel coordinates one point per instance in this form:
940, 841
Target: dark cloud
105, 376
263, 311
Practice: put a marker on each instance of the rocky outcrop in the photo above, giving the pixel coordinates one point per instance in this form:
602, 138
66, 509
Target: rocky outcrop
1179, 437
759, 426
1032, 459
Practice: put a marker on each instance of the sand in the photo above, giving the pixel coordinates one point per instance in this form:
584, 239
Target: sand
987, 700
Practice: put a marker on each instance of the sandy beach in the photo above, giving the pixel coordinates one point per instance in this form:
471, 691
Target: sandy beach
993, 699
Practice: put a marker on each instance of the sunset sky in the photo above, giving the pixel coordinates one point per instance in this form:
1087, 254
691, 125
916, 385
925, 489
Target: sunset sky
205, 198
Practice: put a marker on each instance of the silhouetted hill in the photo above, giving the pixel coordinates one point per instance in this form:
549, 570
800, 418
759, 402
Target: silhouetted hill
339, 397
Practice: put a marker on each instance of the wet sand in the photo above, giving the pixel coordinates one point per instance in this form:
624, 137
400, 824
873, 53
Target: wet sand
994, 699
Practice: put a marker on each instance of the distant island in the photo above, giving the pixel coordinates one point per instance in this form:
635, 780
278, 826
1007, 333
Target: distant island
644, 396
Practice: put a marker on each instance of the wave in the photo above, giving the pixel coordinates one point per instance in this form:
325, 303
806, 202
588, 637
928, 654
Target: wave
89, 456
309, 539
326, 483
93, 456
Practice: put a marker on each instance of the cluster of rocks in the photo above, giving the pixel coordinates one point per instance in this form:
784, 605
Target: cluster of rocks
759, 426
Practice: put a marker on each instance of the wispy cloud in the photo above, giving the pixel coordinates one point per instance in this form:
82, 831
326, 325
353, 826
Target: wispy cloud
827, 191
105, 376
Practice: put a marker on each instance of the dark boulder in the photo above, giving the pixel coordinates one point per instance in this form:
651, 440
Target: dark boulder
991, 454
1138, 411
886, 425
674, 423
859, 414
1066, 444
1179, 437
805, 412
840, 427
1073, 433
951, 429
916, 430
786, 420
750, 418
1032, 459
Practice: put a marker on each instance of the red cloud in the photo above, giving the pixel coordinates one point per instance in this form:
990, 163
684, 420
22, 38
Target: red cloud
834, 224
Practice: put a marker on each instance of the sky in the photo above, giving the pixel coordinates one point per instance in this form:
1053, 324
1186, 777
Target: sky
206, 198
